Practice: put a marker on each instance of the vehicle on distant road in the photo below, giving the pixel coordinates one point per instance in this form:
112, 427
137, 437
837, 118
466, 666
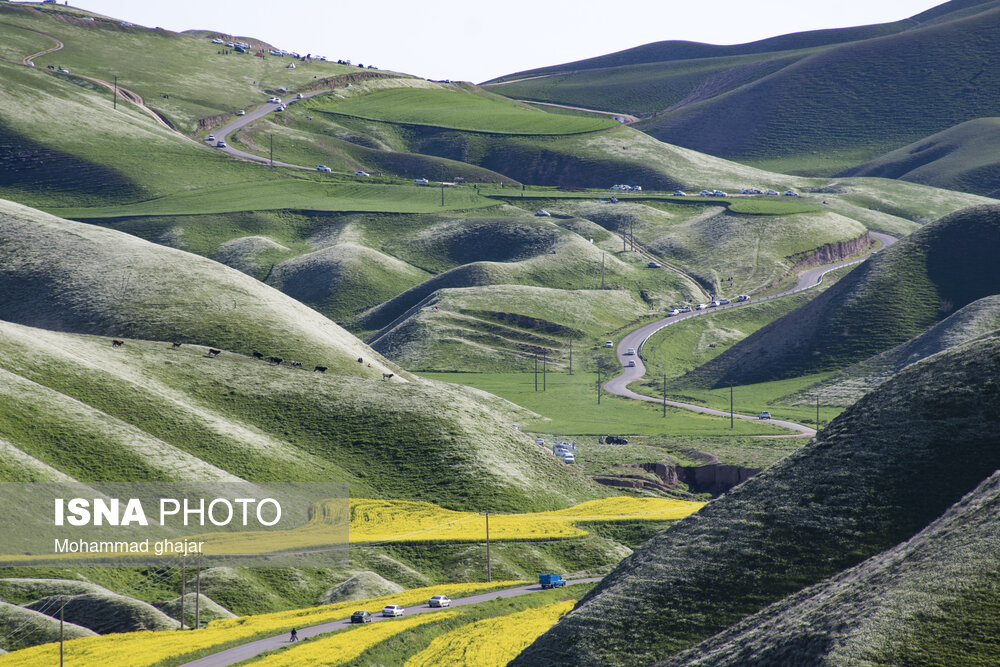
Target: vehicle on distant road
653, 265
790, 193
701, 306
705, 193
673, 312
392, 610
241, 112
609, 343
770, 192
210, 137
361, 616
680, 193
274, 100
439, 601
221, 144
724, 302
743, 297
363, 174
420, 180
323, 167
685, 309
764, 414
551, 581
631, 363
568, 457
713, 304
299, 96
615, 440
629, 351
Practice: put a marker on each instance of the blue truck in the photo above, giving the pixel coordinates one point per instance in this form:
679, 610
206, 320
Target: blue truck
551, 580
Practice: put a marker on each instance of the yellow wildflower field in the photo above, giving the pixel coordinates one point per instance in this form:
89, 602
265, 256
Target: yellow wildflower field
343, 647
408, 521
492, 642
141, 649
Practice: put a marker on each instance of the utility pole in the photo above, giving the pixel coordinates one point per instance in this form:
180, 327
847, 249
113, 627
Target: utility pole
598, 385
664, 394
62, 614
731, 420
817, 413
271, 163
624, 237
197, 595
442, 194
183, 591
536, 372
602, 270
489, 571
545, 359
114, 99
571, 357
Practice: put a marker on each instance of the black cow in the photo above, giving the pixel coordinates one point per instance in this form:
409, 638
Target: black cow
321, 369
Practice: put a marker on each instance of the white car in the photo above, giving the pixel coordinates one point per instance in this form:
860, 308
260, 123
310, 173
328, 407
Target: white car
241, 112
210, 137
631, 363
673, 312
299, 96
701, 306
679, 193
764, 415
770, 192
218, 41
724, 302
685, 309
323, 167
420, 180
439, 601
653, 265
392, 610
630, 351
609, 343
568, 457
713, 304
790, 193
274, 100
743, 297
281, 107
363, 174
220, 144
705, 193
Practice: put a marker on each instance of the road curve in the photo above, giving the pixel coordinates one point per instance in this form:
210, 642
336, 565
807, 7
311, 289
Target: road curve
246, 651
635, 340
629, 118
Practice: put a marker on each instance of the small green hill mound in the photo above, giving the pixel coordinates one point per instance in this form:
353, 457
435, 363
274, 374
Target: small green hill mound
208, 609
74, 277
979, 318
860, 488
21, 590
889, 299
962, 157
461, 109
500, 328
931, 601
105, 613
22, 627
362, 585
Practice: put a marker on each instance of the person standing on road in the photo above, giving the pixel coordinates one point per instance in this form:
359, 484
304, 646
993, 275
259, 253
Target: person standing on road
294, 636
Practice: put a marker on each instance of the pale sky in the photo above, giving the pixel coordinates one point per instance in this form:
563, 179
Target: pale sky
477, 41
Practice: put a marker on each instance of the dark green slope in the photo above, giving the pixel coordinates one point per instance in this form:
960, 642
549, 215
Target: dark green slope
965, 157
882, 92
932, 600
889, 299
879, 474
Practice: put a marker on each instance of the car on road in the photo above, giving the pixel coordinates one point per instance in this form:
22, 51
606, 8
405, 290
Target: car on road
713, 304
361, 616
675, 311
221, 144
363, 174
439, 601
701, 306
210, 137
241, 112
719, 193
615, 440
743, 297
630, 351
274, 100
770, 192
680, 193
62, 70
724, 302
281, 107
420, 180
790, 193
653, 265
609, 343
392, 610
568, 457
323, 167
299, 96
543, 213
764, 414
631, 363
705, 193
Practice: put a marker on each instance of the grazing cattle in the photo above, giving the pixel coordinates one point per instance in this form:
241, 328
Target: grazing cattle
258, 355
296, 364
117, 343
275, 360
321, 369
386, 376
175, 345
360, 360
212, 352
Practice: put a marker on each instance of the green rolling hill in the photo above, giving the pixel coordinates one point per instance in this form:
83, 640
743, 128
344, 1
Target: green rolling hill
886, 301
963, 158
858, 490
808, 103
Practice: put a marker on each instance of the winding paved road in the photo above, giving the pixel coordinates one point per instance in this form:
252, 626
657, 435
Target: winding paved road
619, 385
246, 651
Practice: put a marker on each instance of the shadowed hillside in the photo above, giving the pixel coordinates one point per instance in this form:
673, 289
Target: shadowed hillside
896, 295
929, 601
859, 489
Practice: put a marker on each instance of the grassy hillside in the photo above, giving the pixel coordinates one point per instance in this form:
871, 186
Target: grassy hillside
962, 157
979, 318
889, 299
929, 601
859, 489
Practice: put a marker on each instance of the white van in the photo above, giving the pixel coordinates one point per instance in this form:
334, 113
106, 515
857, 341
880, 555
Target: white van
568, 457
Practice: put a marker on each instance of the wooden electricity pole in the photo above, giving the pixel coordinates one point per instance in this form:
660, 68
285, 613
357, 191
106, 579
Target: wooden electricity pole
183, 592
536, 372
571, 357
62, 614
197, 595
664, 394
731, 421
114, 98
489, 570
545, 359
598, 385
